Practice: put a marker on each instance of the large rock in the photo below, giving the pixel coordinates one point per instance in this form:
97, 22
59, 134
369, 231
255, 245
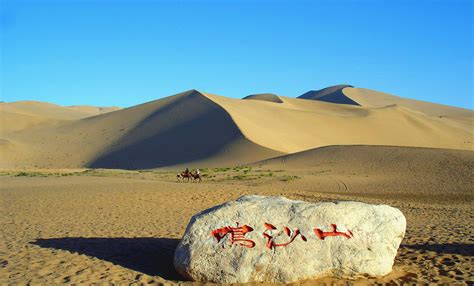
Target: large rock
275, 239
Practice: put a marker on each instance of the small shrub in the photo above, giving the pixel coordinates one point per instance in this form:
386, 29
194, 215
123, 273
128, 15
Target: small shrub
288, 178
21, 174
30, 174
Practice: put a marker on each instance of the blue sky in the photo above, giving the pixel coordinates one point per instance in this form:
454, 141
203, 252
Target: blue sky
129, 52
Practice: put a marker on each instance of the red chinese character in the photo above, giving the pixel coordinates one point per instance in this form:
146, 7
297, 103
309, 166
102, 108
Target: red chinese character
321, 234
237, 235
270, 241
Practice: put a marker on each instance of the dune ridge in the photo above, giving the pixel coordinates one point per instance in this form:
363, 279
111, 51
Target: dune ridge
372, 98
270, 97
179, 129
332, 94
296, 125
348, 94
198, 128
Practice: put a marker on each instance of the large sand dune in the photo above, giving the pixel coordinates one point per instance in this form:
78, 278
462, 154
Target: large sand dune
184, 128
296, 125
201, 129
22, 115
119, 226
347, 94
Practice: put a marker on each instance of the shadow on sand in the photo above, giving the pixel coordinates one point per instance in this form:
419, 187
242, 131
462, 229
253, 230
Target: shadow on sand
151, 256
447, 248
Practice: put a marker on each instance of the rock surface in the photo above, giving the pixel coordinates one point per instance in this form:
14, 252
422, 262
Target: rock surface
281, 240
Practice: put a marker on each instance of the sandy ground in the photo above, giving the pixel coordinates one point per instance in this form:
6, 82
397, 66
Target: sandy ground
64, 224
123, 226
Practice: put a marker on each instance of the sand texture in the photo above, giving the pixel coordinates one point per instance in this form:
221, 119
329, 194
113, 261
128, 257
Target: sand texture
270, 97
123, 226
89, 194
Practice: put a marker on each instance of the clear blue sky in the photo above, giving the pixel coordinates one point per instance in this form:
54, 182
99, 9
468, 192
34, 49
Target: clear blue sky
129, 52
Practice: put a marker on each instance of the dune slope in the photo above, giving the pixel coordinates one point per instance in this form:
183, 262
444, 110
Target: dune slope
378, 158
189, 128
53, 111
296, 125
424, 174
331, 94
21, 115
202, 129
270, 97
175, 130
372, 98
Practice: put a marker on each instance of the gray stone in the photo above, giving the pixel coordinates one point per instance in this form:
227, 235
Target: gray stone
215, 249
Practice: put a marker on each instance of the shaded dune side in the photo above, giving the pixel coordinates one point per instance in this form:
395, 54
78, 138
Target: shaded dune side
332, 94
190, 128
270, 97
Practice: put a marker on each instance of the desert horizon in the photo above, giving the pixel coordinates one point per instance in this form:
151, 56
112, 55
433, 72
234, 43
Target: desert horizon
361, 145
247, 142
208, 130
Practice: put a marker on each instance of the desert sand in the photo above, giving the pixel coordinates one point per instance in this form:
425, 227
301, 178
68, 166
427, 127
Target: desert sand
89, 195
270, 97
200, 128
122, 226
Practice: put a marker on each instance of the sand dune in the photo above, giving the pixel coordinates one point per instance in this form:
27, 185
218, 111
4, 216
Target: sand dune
371, 98
132, 222
434, 174
394, 157
296, 125
200, 129
12, 122
347, 94
53, 111
93, 110
183, 128
265, 97
331, 94
20, 115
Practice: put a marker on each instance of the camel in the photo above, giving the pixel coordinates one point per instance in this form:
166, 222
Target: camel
196, 177
193, 176
181, 176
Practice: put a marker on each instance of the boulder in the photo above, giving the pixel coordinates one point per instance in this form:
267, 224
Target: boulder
274, 239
